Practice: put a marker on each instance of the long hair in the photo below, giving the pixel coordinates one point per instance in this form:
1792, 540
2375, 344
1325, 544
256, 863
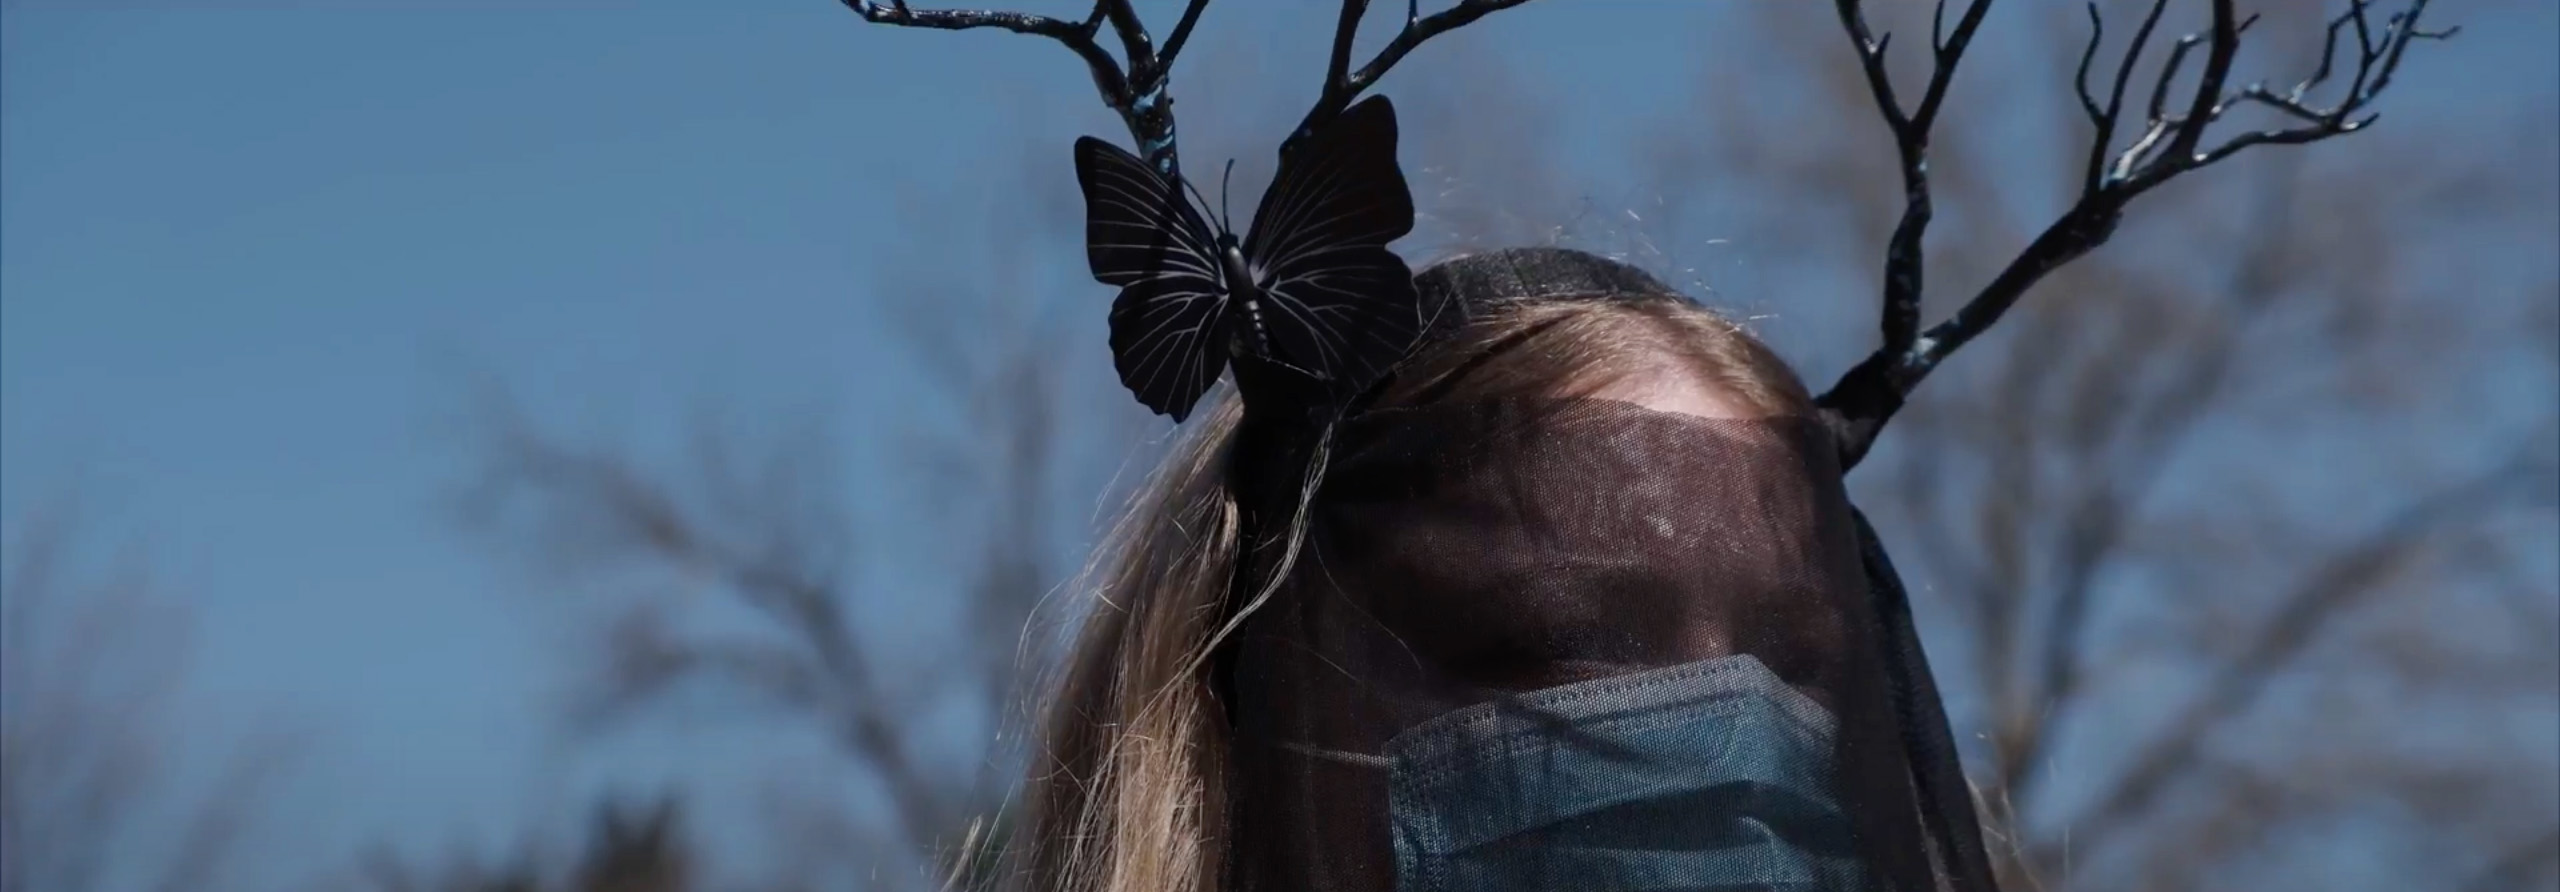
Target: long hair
1126, 792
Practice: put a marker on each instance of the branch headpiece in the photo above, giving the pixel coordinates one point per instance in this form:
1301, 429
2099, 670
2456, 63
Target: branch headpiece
1310, 307
1309, 304
2171, 143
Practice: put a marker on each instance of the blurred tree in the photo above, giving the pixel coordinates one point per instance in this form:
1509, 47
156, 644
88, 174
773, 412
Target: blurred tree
629, 848
766, 538
2216, 537
1016, 430
88, 797
2229, 522
1000, 488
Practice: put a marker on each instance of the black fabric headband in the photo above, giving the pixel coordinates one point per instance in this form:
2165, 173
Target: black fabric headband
1514, 274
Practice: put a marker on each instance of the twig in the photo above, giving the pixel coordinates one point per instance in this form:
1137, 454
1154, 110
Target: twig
1136, 89
1911, 141
1137, 84
1182, 32
2170, 144
1903, 259
1342, 85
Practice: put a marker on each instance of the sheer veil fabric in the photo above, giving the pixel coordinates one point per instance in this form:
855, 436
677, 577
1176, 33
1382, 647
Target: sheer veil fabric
1570, 644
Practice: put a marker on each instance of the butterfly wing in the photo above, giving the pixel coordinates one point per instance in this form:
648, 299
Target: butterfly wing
1168, 326
1335, 300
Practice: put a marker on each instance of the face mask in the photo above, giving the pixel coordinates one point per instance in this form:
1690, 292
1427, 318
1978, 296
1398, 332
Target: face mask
1574, 645
1710, 775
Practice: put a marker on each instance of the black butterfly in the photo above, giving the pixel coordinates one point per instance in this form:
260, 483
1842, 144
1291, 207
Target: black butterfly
1312, 287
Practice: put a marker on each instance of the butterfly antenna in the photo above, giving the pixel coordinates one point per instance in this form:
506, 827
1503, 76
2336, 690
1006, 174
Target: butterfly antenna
1196, 196
1223, 179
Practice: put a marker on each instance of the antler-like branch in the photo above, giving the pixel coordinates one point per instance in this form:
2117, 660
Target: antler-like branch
1911, 141
1342, 85
1138, 90
2170, 144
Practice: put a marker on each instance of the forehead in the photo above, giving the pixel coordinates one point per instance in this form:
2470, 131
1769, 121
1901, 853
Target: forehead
1674, 390
1508, 543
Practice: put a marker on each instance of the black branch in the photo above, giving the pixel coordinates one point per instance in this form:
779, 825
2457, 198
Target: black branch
1911, 142
2172, 140
1342, 84
1135, 85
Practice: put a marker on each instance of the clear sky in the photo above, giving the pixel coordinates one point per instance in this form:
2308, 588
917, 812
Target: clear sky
251, 248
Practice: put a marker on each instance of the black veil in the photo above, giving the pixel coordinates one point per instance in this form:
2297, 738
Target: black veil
1582, 644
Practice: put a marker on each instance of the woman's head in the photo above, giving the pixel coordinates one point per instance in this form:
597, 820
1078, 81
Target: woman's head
1139, 770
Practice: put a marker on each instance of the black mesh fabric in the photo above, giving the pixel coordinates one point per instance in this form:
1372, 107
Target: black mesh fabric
1572, 644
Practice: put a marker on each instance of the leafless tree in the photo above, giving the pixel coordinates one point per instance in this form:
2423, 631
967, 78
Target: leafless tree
996, 466
2216, 532
630, 847
2086, 504
89, 660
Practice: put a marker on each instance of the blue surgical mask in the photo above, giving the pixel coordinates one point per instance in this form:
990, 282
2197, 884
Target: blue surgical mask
1704, 776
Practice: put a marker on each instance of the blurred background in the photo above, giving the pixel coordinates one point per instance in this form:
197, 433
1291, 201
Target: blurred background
645, 447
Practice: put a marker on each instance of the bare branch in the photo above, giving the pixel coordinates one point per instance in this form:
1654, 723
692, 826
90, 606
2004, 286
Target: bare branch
2080, 75
2217, 69
84, 772
1342, 85
1077, 36
2096, 524
1337, 69
2105, 121
1871, 50
215, 827
1911, 140
1903, 258
2126, 556
1135, 45
1949, 51
1137, 90
1136, 85
2351, 574
1868, 395
599, 500
1181, 33
2519, 864
2377, 61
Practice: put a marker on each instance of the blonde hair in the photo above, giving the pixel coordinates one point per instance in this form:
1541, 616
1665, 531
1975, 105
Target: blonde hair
1126, 792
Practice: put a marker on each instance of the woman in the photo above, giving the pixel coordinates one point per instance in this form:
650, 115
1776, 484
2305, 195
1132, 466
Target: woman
1576, 603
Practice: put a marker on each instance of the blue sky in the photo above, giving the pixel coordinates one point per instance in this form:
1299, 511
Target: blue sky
252, 250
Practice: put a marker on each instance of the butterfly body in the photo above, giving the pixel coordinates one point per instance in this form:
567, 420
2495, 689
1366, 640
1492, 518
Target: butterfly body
1248, 334
1311, 286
